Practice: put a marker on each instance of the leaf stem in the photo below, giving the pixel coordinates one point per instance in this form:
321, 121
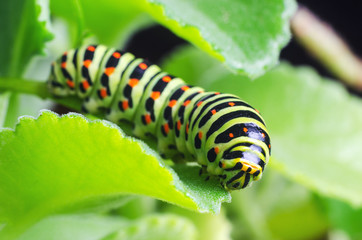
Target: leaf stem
328, 47
37, 88
25, 86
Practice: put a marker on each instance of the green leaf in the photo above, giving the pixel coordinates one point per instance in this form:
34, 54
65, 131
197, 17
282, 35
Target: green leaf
79, 227
137, 207
314, 125
23, 37
209, 226
53, 163
290, 211
309, 120
157, 227
94, 227
246, 35
344, 217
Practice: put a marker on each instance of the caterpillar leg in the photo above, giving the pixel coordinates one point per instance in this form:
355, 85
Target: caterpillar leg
204, 173
169, 149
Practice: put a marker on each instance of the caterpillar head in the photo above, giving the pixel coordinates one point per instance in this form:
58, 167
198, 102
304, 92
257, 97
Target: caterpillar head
241, 165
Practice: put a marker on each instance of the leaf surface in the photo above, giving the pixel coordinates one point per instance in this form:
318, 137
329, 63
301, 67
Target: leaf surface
246, 35
53, 163
24, 35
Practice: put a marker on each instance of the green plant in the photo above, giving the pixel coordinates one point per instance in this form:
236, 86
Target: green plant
72, 177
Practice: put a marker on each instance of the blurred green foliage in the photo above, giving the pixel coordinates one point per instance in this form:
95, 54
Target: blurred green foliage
58, 185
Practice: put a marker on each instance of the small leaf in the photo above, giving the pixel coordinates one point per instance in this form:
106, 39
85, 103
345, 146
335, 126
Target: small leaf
209, 226
246, 35
79, 227
165, 227
52, 163
23, 37
94, 227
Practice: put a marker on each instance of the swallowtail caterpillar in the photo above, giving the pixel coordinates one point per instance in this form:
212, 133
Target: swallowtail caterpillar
225, 135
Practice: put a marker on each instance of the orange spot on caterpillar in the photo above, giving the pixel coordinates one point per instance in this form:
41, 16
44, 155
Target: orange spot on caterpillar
231, 104
86, 63
148, 118
213, 111
187, 128
85, 84
103, 92
155, 95
178, 125
116, 55
216, 149
109, 71
257, 110
172, 103
125, 105
245, 129
269, 146
91, 48
185, 88
217, 93
166, 78
65, 53
200, 135
222, 165
143, 66
70, 83
133, 82
263, 134
64, 64
231, 135
166, 128
199, 103
186, 103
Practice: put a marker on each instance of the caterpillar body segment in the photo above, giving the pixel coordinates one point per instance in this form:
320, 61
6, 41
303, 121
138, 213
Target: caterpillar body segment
225, 135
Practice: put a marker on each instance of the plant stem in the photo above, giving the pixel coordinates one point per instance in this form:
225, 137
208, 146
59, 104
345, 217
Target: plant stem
37, 88
328, 47
25, 86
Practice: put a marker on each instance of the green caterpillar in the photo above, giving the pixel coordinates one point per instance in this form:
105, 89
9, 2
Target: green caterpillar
225, 135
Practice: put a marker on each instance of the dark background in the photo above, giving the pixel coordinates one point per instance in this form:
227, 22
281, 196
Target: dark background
346, 19
344, 16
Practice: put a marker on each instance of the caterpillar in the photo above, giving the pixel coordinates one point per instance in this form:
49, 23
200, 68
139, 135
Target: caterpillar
222, 133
